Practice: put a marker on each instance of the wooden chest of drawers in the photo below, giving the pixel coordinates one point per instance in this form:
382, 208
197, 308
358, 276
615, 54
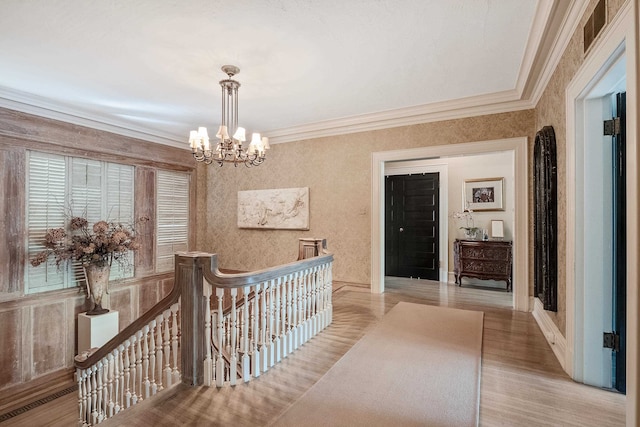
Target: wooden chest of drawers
483, 260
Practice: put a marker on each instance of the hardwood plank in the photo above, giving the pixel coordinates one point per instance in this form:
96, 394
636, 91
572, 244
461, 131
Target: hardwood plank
522, 383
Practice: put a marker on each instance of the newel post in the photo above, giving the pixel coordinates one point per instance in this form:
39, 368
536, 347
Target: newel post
188, 276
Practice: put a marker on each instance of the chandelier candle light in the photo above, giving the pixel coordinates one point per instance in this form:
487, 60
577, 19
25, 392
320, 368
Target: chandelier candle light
228, 149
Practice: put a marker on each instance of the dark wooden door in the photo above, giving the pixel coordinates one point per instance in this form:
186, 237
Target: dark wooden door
411, 226
620, 248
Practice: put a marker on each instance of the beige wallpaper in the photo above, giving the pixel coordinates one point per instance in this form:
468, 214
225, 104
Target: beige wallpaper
337, 171
551, 111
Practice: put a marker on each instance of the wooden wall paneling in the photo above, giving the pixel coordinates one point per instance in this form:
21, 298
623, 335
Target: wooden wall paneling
26, 352
148, 295
63, 137
12, 208
11, 339
39, 331
166, 286
122, 301
145, 202
49, 335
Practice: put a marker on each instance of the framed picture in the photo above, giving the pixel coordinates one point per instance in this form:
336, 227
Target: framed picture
497, 228
486, 194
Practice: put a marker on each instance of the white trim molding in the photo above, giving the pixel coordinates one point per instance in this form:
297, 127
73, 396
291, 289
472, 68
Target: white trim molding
620, 37
521, 235
552, 334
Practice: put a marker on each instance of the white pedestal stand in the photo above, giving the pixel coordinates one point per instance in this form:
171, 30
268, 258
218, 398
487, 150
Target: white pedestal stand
95, 331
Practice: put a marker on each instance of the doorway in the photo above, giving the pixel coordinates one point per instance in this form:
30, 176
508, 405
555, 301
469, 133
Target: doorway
412, 229
600, 233
517, 146
619, 41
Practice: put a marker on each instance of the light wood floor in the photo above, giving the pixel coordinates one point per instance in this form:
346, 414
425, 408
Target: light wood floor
522, 383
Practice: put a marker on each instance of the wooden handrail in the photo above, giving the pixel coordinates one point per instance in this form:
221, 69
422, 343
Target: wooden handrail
220, 279
217, 278
130, 330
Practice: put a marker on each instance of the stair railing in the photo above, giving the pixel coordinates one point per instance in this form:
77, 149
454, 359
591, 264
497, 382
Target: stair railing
212, 329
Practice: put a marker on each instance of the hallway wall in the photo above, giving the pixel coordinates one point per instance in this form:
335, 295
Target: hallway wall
551, 111
338, 172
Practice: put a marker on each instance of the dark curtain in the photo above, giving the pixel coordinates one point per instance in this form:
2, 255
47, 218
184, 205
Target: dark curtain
546, 219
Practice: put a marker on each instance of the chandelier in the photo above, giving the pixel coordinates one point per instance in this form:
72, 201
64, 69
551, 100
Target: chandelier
228, 149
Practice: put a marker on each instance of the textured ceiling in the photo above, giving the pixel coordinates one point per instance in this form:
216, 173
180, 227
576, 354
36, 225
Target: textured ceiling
153, 66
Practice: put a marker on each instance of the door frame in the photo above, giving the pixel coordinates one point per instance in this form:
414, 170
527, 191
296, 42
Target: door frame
521, 299
619, 39
443, 171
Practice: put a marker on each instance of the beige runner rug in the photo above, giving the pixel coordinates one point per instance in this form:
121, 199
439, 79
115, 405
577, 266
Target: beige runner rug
420, 366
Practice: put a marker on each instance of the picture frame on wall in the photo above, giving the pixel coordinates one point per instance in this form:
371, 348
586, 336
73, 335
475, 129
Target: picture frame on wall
485, 194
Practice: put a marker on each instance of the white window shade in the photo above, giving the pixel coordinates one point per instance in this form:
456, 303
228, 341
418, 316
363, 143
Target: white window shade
59, 188
172, 212
46, 189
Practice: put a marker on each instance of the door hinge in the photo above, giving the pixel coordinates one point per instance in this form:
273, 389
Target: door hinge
611, 340
612, 127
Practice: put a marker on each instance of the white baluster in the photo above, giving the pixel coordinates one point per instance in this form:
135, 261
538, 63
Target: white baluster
286, 320
246, 360
255, 331
208, 374
145, 362
296, 313
233, 362
121, 404
109, 375
98, 407
152, 356
134, 372
325, 298
166, 344
159, 349
220, 331
277, 311
82, 397
127, 375
117, 373
320, 306
330, 290
94, 396
174, 343
314, 302
86, 391
139, 373
304, 307
264, 350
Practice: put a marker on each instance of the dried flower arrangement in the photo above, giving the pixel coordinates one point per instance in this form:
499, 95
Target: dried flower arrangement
100, 245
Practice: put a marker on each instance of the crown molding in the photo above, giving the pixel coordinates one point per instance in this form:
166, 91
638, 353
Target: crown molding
536, 39
43, 107
495, 103
566, 28
545, 46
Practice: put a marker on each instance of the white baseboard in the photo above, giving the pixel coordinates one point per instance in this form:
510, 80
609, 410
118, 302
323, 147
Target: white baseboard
551, 332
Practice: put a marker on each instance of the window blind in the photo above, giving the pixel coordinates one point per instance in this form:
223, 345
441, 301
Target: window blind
172, 212
59, 188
